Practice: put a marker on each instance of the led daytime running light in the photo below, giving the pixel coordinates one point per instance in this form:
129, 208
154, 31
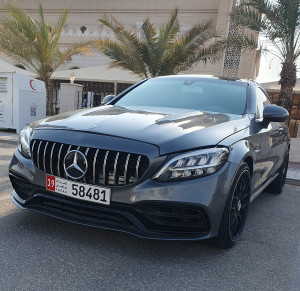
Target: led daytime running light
24, 141
193, 165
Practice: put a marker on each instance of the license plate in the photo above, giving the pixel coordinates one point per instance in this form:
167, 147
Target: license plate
78, 190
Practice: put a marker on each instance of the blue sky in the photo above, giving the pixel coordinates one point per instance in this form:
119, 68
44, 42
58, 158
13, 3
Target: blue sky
270, 66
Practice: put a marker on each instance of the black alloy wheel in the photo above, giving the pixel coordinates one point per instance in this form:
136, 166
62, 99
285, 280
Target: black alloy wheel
236, 208
239, 204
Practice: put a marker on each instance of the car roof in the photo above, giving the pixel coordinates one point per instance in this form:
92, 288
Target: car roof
207, 77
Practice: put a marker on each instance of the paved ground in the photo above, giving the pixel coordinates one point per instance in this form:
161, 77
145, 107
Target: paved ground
295, 150
294, 172
5, 157
293, 175
38, 252
8, 136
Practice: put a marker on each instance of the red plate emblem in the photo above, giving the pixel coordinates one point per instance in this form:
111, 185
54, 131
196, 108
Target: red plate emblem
50, 184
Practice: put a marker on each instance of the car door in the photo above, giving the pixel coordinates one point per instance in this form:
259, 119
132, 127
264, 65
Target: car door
273, 141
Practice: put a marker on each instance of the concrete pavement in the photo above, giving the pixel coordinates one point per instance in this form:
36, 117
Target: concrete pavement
293, 175
9, 136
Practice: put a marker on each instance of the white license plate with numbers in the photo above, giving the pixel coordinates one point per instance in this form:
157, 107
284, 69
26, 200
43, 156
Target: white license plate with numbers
78, 190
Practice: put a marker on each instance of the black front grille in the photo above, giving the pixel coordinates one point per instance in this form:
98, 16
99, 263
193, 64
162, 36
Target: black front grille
105, 167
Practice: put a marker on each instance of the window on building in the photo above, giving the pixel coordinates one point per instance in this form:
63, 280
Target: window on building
20, 66
83, 28
74, 68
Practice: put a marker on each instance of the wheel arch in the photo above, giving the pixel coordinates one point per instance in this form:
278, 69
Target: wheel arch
241, 152
249, 161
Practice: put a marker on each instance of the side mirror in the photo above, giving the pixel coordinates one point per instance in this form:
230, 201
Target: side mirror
107, 99
274, 113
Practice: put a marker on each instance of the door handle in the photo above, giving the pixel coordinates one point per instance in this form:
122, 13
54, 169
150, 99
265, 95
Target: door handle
257, 149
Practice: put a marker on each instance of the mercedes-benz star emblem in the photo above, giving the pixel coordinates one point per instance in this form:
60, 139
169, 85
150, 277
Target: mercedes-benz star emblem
75, 164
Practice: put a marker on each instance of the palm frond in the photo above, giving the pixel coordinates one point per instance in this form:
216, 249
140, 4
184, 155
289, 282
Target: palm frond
278, 21
149, 46
34, 44
153, 52
184, 52
23, 22
127, 39
122, 56
167, 33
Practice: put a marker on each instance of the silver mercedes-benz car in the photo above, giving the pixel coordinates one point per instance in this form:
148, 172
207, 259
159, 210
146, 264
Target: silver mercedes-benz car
176, 157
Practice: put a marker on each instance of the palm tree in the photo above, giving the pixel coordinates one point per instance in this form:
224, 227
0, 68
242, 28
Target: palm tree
279, 22
34, 44
154, 52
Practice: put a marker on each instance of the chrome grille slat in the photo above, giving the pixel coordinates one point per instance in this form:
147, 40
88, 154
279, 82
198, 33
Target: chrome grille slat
38, 154
51, 159
105, 167
115, 168
69, 148
44, 155
86, 153
65, 174
32, 148
58, 161
94, 166
137, 168
125, 169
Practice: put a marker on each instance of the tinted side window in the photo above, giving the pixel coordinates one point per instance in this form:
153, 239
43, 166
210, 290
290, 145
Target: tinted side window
261, 101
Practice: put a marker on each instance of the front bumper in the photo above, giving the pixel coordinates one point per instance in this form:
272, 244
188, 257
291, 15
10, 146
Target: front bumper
187, 210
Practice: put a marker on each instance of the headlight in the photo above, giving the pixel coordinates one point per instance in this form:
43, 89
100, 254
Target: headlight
24, 141
193, 165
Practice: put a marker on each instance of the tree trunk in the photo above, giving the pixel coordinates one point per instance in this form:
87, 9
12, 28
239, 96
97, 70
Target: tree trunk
287, 82
50, 105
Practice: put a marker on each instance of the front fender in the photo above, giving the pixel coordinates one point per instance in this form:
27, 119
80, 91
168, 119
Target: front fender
243, 151
240, 151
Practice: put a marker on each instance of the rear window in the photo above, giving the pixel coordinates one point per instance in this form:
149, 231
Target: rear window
189, 93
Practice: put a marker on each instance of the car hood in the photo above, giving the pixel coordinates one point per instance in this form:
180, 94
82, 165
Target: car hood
171, 129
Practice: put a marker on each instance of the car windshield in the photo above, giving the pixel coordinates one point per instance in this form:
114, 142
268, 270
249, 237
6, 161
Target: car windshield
213, 95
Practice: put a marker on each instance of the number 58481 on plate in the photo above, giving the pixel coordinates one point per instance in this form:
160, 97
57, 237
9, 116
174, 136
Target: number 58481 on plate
77, 190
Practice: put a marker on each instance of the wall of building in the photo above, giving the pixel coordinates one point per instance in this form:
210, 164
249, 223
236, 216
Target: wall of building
132, 13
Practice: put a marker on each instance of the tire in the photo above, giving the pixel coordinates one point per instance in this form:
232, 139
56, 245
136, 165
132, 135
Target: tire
235, 211
277, 185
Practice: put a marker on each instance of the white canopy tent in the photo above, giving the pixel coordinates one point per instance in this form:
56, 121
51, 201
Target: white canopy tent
92, 74
8, 68
97, 74
22, 98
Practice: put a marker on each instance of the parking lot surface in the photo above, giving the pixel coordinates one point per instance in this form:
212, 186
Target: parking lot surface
38, 252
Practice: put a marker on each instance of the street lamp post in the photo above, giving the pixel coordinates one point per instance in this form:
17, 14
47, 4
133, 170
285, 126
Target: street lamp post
72, 77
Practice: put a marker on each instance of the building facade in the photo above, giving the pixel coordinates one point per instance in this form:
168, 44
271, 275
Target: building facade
83, 24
